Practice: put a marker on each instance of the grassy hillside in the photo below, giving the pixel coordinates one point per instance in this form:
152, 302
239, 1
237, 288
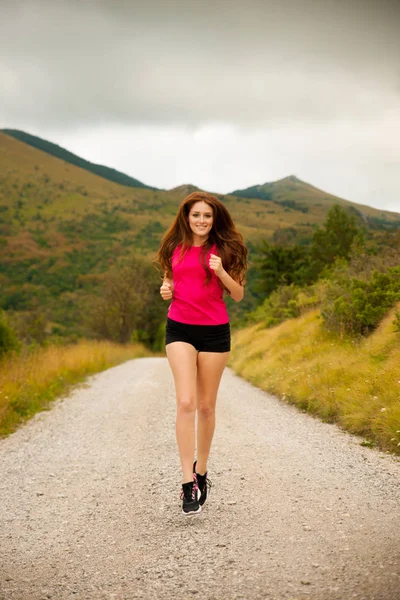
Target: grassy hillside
39, 192
356, 385
62, 228
59, 152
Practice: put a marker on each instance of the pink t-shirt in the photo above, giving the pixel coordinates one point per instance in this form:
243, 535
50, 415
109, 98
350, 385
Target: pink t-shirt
194, 302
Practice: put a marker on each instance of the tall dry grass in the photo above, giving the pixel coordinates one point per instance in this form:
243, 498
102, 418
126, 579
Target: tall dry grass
355, 384
29, 382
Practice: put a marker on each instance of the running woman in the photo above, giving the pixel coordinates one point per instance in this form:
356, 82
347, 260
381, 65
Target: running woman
202, 255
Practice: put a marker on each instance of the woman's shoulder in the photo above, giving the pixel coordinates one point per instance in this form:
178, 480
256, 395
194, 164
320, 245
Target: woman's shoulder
177, 253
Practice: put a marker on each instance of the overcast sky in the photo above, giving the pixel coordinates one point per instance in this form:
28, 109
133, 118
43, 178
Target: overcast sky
222, 94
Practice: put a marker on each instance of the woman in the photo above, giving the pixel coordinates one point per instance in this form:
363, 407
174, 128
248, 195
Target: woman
202, 255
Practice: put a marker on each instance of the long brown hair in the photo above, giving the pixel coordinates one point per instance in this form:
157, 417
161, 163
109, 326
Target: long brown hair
223, 234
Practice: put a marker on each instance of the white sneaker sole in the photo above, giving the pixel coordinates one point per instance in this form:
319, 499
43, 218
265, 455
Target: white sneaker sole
193, 512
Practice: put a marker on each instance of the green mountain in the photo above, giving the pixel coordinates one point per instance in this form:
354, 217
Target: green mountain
288, 187
73, 159
63, 228
298, 195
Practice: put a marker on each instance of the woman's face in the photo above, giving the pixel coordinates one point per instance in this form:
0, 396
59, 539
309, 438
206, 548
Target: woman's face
201, 220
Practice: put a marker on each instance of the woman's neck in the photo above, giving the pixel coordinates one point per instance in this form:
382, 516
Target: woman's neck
199, 241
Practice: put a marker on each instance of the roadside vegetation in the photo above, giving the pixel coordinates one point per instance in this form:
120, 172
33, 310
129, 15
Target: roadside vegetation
327, 335
38, 362
32, 378
354, 383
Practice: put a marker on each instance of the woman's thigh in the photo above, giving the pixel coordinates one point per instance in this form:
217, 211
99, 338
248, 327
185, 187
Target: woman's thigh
210, 366
182, 358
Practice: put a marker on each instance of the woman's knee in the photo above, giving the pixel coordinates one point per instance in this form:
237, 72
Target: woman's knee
186, 404
206, 411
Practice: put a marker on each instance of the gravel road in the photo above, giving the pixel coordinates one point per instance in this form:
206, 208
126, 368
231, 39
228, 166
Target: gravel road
90, 509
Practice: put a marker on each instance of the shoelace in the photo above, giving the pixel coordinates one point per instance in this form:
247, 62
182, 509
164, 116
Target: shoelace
195, 487
194, 490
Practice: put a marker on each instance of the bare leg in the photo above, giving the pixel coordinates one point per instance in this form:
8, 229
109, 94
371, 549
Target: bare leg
210, 366
182, 359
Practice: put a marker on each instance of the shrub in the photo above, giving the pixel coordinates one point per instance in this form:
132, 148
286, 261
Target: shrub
288, 302
355, 306
30, 326
8, 339
279, 306
396, 321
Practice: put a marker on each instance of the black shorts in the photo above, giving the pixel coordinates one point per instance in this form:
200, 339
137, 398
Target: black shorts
205, 338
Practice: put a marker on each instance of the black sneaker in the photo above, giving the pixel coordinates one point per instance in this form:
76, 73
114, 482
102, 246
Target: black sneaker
203, 483
190, 498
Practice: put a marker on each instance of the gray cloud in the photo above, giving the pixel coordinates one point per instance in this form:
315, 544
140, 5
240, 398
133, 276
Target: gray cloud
223, 94
183, 62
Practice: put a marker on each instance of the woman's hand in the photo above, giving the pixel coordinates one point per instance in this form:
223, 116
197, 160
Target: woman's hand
215, 264
166, 291
236, 290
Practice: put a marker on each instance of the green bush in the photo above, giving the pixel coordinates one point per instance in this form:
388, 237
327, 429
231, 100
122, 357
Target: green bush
279, 306
396, 321
30, 326
8, 339
288, 302
355, 306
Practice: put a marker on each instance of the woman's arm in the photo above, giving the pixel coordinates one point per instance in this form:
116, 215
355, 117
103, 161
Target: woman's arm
236, 289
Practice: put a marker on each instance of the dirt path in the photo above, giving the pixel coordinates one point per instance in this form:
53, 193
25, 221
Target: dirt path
89, 501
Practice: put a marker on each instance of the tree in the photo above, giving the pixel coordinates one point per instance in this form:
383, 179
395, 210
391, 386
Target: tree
280, 265
130, 303
334, 240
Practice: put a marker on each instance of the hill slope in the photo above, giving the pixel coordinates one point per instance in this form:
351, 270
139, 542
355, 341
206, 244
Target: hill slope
293, 193
73, 159
63, 227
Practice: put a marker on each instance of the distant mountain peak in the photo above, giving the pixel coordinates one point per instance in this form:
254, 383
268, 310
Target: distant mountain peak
285, 180
289, 179
186, 189
268, 189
